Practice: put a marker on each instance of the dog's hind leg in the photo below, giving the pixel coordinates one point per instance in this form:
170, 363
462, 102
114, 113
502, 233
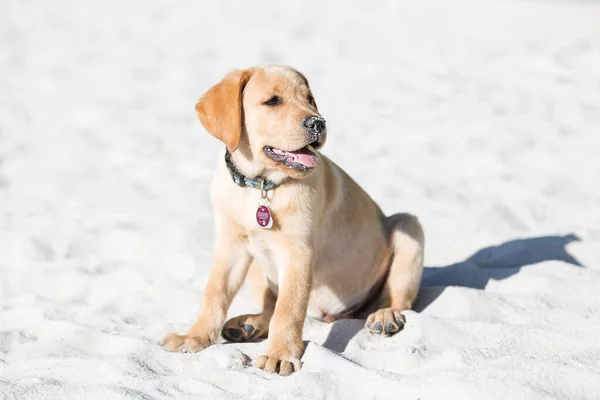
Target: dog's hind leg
404, 276
249, 327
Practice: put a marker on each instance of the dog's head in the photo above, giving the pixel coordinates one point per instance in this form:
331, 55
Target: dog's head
268, 117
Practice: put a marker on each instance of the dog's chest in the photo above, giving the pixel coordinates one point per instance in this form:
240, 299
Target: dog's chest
265, 254
270, 248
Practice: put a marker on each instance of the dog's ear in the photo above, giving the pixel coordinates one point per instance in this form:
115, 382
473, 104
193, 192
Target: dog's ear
220, 109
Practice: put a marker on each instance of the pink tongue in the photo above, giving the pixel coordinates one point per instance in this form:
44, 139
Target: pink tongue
303, 156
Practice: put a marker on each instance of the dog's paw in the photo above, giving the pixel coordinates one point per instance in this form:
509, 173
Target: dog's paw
246, 328
282, 356
281, 365
386, 321
185, 343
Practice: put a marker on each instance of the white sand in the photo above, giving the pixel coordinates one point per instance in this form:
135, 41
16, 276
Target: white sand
493, 108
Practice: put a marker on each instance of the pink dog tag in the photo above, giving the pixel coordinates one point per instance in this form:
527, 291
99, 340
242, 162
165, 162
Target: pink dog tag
263, 217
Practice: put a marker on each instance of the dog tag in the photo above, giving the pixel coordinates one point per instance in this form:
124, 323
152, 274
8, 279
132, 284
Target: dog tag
263, 217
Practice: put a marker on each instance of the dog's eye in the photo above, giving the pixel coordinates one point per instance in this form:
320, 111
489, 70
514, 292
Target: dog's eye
311, 100
273, 101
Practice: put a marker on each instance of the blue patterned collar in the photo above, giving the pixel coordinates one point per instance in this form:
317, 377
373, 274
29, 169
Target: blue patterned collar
242, 181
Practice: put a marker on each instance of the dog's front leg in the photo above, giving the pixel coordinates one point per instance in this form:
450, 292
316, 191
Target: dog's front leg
230, 265
285, 345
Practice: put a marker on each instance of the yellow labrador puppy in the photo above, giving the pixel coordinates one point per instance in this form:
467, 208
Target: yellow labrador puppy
307, 238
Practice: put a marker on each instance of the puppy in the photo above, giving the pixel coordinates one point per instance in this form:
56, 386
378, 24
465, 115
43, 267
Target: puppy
307, 238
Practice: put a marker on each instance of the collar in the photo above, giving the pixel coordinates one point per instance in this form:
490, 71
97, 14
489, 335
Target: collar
241, 180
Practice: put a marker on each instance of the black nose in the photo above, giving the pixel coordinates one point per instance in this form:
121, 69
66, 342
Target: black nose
314, 124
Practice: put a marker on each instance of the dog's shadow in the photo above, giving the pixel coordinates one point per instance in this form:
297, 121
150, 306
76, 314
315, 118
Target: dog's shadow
490, 263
